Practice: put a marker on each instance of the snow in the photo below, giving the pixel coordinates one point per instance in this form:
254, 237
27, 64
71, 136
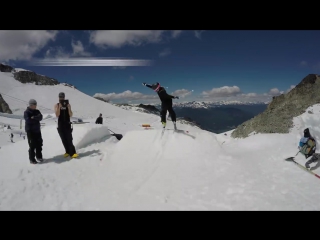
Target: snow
148, 169
21, 69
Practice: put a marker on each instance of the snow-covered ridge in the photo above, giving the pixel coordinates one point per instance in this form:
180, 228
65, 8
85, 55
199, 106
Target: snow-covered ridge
20, 70
195, 104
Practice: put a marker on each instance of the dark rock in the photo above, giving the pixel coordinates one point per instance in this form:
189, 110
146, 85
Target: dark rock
5, 68
4, 107
101, 99
281, 111
149, 108
32, 77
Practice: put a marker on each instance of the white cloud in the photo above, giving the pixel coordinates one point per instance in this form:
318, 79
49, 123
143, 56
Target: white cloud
182, 93
119, 38
275, 92
56, 52
126, 95
291, 87
176, 33
165, 52
225, 91
23, 44
78, 49
60, 52
303, 63
198, 33
249, 95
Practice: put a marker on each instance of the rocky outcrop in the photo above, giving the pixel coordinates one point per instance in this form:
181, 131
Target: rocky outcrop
4, 107
189, 121
32, 77
101, 99
278, 117
149, 108
5, 68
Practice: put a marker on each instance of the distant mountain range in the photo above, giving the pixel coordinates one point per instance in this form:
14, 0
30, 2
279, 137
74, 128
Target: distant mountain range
205, 105
216, 117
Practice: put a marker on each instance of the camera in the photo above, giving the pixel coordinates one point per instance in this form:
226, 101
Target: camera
64, 102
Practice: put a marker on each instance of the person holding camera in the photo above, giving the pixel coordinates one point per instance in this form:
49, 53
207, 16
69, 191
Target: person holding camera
33, 116
64, 113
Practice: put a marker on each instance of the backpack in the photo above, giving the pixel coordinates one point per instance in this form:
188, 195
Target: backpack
307, 146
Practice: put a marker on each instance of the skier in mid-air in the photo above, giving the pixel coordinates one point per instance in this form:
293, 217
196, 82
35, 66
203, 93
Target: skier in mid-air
166, 103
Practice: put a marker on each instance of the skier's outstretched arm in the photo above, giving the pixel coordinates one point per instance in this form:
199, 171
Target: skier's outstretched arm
147, 85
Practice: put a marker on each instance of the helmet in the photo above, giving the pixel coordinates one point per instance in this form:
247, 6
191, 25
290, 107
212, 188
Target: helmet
156, 86
306, 132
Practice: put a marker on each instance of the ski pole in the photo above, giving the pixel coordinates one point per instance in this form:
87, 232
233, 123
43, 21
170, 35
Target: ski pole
111, 131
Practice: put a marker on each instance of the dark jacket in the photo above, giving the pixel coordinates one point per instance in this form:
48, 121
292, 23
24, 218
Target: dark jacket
32, 124
99, 120
163, 95
64, 118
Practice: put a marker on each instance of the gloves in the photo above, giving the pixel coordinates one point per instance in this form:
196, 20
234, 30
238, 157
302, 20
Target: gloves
176, 97
144, 84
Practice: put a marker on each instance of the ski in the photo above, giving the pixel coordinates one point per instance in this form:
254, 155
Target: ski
304, 168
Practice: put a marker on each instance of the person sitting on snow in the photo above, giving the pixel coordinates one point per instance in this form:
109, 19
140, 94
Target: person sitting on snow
307, 147
99, 119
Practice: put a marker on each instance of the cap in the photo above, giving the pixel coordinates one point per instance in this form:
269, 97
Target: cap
32, 102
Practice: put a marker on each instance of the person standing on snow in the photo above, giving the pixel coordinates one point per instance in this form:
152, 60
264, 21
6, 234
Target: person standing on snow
166, 103
64, 114
33, 116
11, 137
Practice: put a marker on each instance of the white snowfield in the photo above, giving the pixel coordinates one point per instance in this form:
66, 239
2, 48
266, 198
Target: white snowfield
148, 169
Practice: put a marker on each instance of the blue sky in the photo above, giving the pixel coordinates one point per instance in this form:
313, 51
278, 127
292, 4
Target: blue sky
216, 65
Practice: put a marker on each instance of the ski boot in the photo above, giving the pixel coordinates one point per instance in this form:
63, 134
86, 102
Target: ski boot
314, 158
164, 124
75, 155
175, 126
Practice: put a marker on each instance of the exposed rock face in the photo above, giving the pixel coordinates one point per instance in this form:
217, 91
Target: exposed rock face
4, 107
5, 68
32, 77
278, 117
150, 108
189, 121
101, 99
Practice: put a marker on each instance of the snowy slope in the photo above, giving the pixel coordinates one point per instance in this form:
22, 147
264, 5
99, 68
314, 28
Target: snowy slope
148, 170
17, 95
